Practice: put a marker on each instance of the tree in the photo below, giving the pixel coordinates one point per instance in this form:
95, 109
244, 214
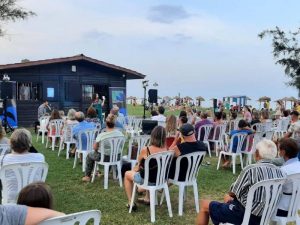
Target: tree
286, 52
10, 11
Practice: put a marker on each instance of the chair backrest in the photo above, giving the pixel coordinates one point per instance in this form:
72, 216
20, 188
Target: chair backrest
140, 141
55, 127
252, 141
218, 132
130, 120
163, 162
16, 176
68, 133
116, 146
43, 123
258, 127
79, 218
272, 190
269, 135
285, 122
240, 140
137, 124
295, 197
205, 131
267, 126
4, 149
86, 139
193, 165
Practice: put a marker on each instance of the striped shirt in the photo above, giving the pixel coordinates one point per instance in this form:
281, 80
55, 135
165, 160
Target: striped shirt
251, 175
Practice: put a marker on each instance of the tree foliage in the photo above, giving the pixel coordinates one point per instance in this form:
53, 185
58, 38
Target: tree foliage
10, 11
286, 52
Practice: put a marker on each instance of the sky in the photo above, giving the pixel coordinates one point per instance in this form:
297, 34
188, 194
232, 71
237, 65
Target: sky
189, 47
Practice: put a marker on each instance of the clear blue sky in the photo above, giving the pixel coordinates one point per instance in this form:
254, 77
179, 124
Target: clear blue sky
208, 48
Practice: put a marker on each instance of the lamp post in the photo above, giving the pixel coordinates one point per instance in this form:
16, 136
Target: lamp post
145, 85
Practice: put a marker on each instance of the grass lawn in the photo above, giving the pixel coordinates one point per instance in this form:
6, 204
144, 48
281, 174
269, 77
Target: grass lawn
72, 195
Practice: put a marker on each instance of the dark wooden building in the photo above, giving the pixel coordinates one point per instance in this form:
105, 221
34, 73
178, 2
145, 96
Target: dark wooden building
66, 83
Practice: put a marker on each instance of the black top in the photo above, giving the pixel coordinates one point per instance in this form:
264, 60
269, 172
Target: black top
185, 148
152, 168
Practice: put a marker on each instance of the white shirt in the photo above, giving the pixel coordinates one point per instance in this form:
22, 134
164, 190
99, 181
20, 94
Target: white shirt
23, 158
159, 118
292, 166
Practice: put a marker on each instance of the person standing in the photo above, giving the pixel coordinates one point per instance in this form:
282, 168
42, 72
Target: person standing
98, 104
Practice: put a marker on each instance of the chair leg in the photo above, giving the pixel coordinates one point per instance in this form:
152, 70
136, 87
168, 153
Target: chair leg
166, 190
75, 160
53, 143
208, 148
152, 205
83, 161
219, 161
196, 196
132, 197
94, 173
67, 151
43, 137
233, 163
120, 174
47, 142
37, 136
106, 170
242, 163
180, 200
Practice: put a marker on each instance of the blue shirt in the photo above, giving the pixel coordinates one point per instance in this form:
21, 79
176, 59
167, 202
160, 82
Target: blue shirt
80, 127
235, 141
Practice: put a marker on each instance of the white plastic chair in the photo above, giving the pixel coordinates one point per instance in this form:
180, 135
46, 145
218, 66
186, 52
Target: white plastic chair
163, 161
193, 165
89, 136
67, 139
43, 128
55, 127
116, 146
16, 176
258, 127
269, 135
140, 141
241, 139
252, 141
4, 149
218, 137
294, 204
79, 218
205, 131
272, 189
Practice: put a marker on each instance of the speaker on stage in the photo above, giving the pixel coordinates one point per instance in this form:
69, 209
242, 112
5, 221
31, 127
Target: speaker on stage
8, 90
152, 93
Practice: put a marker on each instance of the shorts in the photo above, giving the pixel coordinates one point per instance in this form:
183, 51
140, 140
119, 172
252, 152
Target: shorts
231, 212
139, 180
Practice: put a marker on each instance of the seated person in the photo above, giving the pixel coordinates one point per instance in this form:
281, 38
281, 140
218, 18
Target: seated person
81, 126
38, 195
157, 145
92, 116
23, 215
233, 208
288, 150
95, 155
115, 111
160, 117
203, 121
188, 145
242, 128
21, 142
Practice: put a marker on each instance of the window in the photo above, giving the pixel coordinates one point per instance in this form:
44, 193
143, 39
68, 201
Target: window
87, 92
28, 91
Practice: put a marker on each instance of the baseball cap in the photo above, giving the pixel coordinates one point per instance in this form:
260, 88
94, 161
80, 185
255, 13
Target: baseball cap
187, 129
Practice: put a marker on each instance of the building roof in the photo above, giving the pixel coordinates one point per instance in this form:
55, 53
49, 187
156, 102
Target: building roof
133, 74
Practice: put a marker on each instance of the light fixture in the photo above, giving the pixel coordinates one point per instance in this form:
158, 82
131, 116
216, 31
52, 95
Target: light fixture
155, 84
6, 77
124, 75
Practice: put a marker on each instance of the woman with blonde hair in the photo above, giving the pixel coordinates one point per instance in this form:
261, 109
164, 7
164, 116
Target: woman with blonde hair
171, 126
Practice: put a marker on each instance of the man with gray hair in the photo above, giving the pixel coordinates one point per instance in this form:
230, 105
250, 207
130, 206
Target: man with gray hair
233, 208
81, 126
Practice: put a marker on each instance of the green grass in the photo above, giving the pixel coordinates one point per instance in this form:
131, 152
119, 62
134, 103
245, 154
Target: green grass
72, 195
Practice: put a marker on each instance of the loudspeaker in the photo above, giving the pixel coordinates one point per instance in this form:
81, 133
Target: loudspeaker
148, 126
8, 90
152, 96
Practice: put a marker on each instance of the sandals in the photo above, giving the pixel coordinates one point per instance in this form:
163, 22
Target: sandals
143, 201
134, 207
